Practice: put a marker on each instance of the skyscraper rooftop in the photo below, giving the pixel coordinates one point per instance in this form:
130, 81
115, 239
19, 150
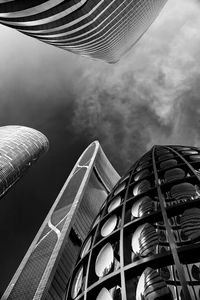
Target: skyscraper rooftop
101, 29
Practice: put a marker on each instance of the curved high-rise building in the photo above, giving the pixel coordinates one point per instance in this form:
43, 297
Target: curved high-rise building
145, 241
20, 147
49, 262
101, 29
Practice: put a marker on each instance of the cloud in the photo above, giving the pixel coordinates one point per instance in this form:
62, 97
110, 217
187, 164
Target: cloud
151, 96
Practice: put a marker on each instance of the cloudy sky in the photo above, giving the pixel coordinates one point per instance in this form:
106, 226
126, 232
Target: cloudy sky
152, 96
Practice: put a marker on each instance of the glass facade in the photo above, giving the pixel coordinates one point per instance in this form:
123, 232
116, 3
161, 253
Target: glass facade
20, 147
45, 270
145, 242
101, 29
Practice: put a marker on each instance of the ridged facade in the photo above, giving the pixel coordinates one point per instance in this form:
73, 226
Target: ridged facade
49, 262
145, 241
101, 29
20, 147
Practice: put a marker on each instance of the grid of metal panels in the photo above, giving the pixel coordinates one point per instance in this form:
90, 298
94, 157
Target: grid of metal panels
145, 242
101, 29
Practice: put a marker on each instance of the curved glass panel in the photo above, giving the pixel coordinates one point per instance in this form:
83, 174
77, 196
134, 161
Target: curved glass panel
195, 272
142, 207
77, 283
141, 187
165, 273
142, 166
162, 236
187, 152
120, 188
109, 226
141, 174
144, 240
182, 148
152, 286
190, 223
174, 174
114, 204
104, 295
86, 247
168, 163
104, 261
96, 221
162, 152
165, 156
183, 190
195, 158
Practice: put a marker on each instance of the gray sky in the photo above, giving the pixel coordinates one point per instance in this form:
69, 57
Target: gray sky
152, 96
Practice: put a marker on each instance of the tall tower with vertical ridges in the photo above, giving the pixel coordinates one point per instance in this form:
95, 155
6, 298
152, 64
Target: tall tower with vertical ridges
49, 262
145, 241
101, 29
20, 147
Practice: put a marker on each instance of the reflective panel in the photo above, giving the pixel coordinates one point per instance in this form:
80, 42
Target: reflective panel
114, 204
141, 174
162, 151
151, 286
187, 152
104, 295
104, 261
182, 148
120, 188
162, 236
86, 247
96, 221
165, 156
144, 163
141, 187
165, 273
145, 240
195, 158
109, 226
196, 272
183, 190
190, 223
77, 283
168, 163
174, 174
141, 167
142, 207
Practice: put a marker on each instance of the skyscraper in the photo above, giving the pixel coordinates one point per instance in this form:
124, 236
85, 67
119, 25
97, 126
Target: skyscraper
20, 147
145, 242
45, 269
102, 29
139, 240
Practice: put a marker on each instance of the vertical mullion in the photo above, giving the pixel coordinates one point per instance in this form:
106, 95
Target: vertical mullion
123, 281
172, 243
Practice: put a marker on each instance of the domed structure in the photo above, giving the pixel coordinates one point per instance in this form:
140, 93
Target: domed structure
147, 246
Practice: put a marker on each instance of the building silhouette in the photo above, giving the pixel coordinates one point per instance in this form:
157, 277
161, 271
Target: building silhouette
20, 147
101, 29
106, 237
